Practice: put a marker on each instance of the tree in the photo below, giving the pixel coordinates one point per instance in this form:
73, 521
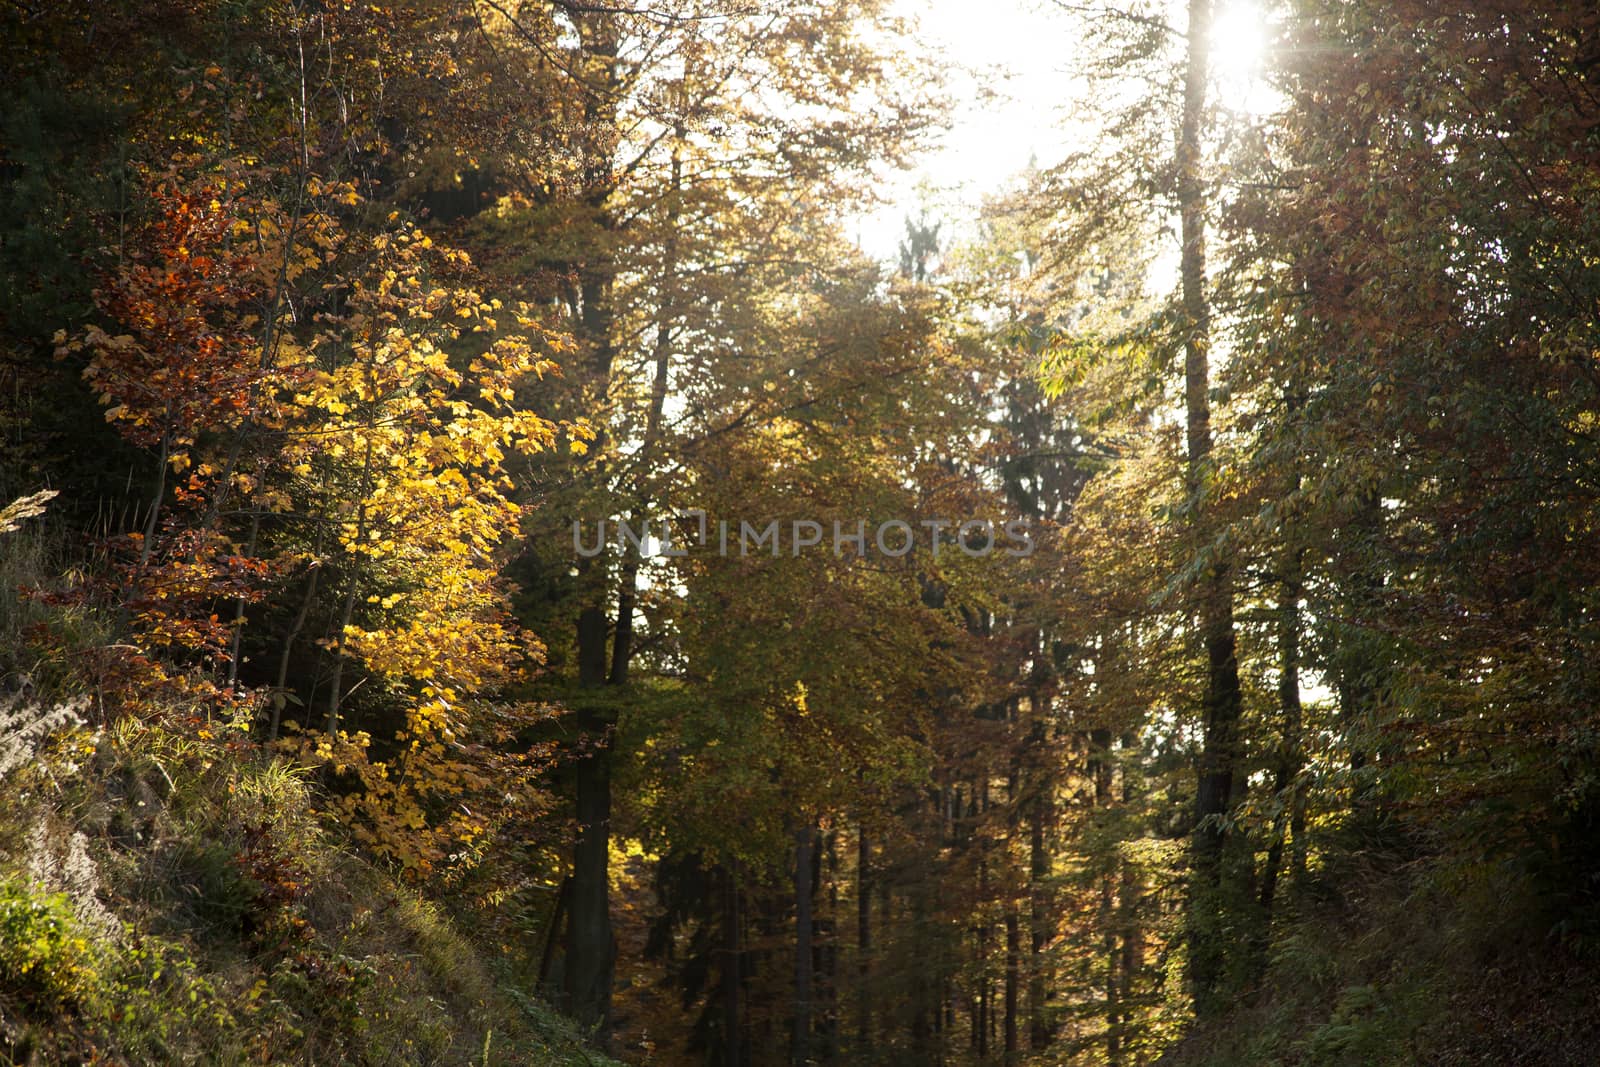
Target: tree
697, 120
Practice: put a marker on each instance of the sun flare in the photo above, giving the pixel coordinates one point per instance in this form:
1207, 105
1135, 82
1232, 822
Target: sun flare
1239, 35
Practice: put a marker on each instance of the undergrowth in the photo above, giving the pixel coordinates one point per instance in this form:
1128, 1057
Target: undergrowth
167, 898
1409, 956
170, 893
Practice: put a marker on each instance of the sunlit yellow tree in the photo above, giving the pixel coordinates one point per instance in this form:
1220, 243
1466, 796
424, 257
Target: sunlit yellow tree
400, 428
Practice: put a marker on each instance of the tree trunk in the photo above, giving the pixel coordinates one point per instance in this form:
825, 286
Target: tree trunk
863, 944
731, 976
1013, 962
1103, 771
828, 948
1039, 912
558, 915
1013, 920
153, 520
804, 844
237, 637
352, 587
622, 649
1292, 817
1214, 796
590, 950
1360, 672
985, 1022
1131, 894
280, 693
1113, 988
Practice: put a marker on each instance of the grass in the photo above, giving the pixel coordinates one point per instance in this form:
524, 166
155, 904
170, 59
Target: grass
170, 894
242, 927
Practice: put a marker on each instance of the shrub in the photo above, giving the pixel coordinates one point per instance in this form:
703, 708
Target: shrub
45, 959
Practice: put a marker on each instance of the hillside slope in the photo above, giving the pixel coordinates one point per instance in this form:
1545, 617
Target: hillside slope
1392, 956
168, 895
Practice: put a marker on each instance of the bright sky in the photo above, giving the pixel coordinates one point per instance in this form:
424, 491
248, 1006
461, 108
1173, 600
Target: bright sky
1008, 88
1011, 87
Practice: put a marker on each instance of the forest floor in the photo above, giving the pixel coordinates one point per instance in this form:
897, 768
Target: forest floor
159, 905
1396, 955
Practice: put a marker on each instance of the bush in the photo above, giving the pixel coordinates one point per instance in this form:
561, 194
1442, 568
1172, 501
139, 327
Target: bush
45, 959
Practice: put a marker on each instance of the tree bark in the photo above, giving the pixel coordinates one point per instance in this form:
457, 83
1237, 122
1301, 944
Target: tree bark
827, 948
627, 594
1039, 1030
153, 520
352, 585
590, 950
804, 844
863, 944
1040, 810
280, 690
552, 935
1131, 894
732, 978
1013, 963
1103, 772
1223, 700
1291, 818
590, 944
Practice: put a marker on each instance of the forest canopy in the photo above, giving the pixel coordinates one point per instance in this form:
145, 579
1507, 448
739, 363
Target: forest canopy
707, 532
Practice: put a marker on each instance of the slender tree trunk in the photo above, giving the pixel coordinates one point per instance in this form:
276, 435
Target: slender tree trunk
863, 944
156, 500
1360, 671
1103, 771
1040, 916
981, 1003
1290, 755
1296, 722
985, 1035
1013, 963
280, 689
1207, 933
1297, 831
944, 1016
925, 979
804, 843
924, 987
828, 948
622, 649
1131, 895
1013, 918
590, 949
352, 589
1039, 1030
1113, 987
238, 607
336, 694
888, 1017
552, 934
732, 978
